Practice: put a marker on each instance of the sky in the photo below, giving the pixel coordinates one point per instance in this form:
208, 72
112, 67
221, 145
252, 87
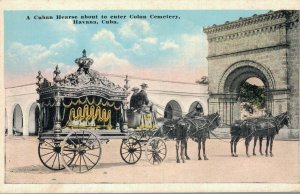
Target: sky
167, 49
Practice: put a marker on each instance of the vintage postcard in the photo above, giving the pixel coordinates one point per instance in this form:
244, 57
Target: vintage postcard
168, 97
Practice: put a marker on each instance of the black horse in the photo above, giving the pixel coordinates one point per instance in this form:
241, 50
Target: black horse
195, 128
241, 129
176, 129
269, 127
199, 130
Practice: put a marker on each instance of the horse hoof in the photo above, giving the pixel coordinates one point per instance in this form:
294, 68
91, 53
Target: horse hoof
266, 155
183, 161
178, 161
236, 155
254, 154
199, 158
205, 158
271, 155
187, 158
261, 154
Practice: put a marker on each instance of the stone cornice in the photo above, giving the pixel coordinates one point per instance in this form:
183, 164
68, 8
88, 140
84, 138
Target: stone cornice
280, 91
246, 33
244, 22
257, 24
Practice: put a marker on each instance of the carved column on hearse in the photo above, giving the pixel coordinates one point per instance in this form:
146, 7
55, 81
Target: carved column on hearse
57, 118
125, 104
39, 78
57, 101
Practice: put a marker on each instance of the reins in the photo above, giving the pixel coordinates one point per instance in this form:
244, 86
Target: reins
218, 137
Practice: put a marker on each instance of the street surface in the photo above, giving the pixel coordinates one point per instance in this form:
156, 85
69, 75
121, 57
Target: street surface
23, 165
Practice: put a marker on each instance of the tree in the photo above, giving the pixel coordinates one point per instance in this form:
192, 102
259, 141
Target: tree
254, 95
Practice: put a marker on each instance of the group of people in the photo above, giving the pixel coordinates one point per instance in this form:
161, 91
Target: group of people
139, 98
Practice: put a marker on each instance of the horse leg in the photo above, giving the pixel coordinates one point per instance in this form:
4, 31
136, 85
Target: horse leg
182, 151
231, 145
271, 146
267, 146
255, 140
260, 145
186, 156
177, 147
247, 145
203, 147
235, 144
199, 149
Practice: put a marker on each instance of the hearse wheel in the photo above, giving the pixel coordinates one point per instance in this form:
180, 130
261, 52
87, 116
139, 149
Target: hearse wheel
130, 151
156, 150
50, 154
87, 149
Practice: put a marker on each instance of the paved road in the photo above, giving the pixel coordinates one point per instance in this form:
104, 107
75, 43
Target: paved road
23, 165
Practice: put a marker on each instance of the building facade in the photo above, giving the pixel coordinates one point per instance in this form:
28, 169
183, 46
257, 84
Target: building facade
262, 46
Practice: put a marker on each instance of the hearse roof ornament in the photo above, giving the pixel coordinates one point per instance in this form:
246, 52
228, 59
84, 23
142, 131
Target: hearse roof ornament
84, 62
83, 82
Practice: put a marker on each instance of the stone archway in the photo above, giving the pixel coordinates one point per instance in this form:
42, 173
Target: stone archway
172, 110
33, 120
17, 120
194, 105
240, 71
232, 80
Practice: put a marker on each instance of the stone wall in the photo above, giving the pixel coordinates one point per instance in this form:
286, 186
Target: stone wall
293, 40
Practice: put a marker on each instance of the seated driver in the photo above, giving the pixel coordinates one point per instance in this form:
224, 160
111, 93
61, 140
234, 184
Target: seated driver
134, 99
142, 98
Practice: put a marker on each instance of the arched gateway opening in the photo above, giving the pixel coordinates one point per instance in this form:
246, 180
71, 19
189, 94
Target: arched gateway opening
33, 119
194, 105
172, 110
18, 120
238, 77
253, 98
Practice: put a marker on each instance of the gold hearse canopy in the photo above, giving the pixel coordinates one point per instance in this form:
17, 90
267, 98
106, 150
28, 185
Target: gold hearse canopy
83, 99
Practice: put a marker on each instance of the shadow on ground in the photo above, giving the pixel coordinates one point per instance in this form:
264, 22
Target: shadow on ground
41, 169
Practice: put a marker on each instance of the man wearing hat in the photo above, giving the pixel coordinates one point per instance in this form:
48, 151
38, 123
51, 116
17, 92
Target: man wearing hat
142, 96
134, 99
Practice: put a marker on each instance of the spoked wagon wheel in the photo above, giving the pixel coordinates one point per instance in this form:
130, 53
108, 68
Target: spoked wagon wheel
50, 154
156, 150
87, 149
131, 151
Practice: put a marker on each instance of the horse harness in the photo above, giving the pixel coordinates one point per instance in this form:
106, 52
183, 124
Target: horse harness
275, 122
207, 122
